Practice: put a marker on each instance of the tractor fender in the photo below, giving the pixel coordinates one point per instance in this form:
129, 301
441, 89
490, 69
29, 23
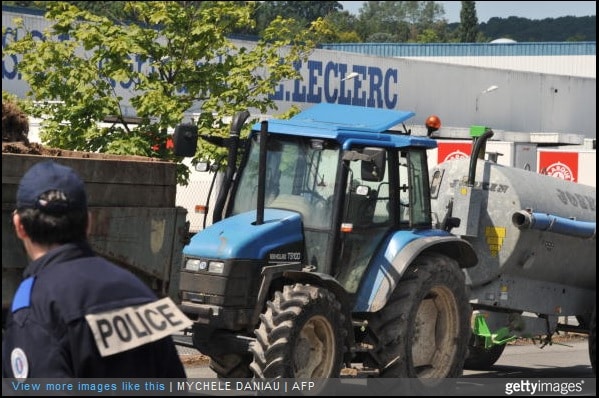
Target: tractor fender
389, 265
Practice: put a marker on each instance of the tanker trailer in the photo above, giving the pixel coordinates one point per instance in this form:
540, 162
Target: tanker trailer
535, 237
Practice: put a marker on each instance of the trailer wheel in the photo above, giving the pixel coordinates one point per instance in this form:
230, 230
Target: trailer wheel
231, 365
424, 329
593, 340
480, 358
300, 335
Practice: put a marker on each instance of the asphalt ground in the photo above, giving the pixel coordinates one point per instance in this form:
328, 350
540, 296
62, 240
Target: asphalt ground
567, 356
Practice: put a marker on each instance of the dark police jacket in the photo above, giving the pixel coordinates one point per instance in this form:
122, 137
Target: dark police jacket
47, 334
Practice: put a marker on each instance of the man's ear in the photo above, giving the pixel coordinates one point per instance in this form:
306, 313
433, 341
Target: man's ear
19, 229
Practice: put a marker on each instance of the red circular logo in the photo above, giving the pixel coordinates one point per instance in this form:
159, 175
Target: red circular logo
560, 170
455, 155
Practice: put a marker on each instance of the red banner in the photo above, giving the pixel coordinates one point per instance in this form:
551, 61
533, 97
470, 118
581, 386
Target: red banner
453, 150
562, 165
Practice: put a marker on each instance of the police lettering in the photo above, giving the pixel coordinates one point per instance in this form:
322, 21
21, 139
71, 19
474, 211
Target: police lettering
126, 328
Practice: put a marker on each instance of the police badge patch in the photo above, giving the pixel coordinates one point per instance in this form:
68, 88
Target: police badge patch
19, 364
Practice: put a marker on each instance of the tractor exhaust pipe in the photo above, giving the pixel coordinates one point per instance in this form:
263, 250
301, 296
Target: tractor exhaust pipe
262, 173
233, 141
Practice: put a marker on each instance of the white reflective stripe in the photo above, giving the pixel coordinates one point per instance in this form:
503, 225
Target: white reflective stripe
126, 328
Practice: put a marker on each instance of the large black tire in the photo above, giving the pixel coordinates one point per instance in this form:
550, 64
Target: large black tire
424, 329
231, 366
480, 358
301, 335
593, 340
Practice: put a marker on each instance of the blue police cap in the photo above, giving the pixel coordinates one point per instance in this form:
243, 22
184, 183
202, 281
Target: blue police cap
50, 176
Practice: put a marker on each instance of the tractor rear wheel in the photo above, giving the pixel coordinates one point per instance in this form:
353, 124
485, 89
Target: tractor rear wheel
301, 335
424, 329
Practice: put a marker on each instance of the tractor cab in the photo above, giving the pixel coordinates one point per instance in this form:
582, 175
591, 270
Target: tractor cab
351, 189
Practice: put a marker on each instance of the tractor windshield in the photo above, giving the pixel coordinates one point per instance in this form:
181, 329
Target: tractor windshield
300, 176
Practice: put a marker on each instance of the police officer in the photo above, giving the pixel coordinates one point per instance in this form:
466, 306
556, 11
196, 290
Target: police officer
76, 314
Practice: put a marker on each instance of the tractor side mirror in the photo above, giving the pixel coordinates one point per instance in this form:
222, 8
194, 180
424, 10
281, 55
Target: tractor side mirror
185, 140
373, 169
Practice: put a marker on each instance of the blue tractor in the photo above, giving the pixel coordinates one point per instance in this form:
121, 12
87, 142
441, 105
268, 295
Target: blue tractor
322, 255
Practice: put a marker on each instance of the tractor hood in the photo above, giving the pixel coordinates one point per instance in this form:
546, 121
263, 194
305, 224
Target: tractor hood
239, 237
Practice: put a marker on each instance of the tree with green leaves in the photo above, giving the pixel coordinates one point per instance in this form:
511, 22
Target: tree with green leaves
300, 13
342, 28
468, 22
399, 21
169, 55
346, 27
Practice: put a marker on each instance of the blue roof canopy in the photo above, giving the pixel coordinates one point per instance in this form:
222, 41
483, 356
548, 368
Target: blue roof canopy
347, 123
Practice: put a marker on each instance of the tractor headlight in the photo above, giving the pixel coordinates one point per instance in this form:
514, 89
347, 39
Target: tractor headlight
194, 264
216, 267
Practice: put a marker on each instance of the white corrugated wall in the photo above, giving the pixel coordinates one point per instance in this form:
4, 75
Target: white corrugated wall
568, 65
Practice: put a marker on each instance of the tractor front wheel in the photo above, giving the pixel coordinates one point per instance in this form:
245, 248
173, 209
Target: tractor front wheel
301, 335
231, 365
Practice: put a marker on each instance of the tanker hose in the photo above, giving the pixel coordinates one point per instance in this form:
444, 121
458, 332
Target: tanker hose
550, 223
479, 144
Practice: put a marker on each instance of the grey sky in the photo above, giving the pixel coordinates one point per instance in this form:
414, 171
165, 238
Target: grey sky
503, 9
